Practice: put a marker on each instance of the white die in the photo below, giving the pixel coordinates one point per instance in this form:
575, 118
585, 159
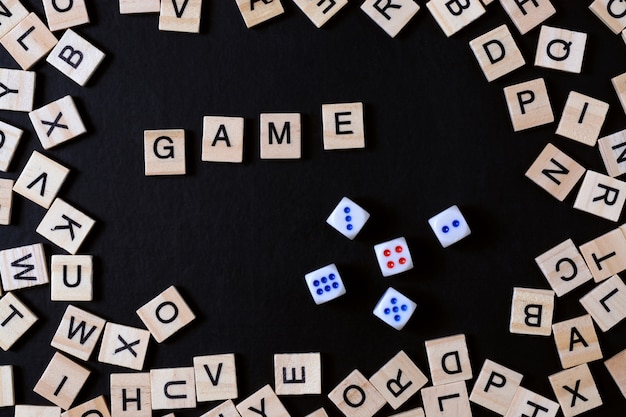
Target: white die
393, 256
449, 226
394, 309
348, 218
325, 284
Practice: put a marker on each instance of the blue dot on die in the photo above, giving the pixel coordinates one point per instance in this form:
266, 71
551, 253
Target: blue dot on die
404, 307
316, 283
319, 291
346, 210
456, 223
445, 229
395, 309
387, 311
335, 285
394, 300
331, 277
324, 279
397, 317
349, 227
327, 288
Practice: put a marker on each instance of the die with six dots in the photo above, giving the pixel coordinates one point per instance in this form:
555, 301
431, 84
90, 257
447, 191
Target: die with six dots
393, 256
394, 308
348, 218
325, 284
449, 226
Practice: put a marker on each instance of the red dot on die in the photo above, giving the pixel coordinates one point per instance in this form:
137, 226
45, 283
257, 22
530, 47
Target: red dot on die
398, 249
402, 261
387, 252
390, 265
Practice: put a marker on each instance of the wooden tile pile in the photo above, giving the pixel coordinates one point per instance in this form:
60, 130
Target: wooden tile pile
213, 377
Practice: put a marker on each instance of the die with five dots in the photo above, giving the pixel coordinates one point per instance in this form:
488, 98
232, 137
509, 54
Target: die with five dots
394, 308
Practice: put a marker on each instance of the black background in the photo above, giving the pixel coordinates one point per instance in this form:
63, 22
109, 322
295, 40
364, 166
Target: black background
237, 239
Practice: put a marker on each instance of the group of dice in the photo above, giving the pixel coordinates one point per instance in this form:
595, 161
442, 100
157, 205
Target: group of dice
393, 257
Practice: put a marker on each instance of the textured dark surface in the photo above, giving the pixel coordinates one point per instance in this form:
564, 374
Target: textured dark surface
237, 239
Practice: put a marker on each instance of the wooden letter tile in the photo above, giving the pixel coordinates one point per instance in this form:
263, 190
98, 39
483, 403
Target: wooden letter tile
298, 373
320, 12
390, 16
71, 278
96, 408
9, 139
414, 412
526, 15
526, 402
606, 255
61, 381
164, 152
344, 126
264, 402
29, 41
617, 368
449, 400
582, 118
555, 172
124, 346
560, 49
130, 395
139, 6
216, 377
255, 12
225, 409
13, 13
613, 151
564, 268
17, 90
37, 411
453, 16
7, 393
75, 57
281, 135
222, 139
15, 320
172, 388
497, 53
57, 122
610, 14
41, 179
575, 390
78, 333
65, 226
356, 397
398, 380
495, 387
606, 303
601, 195
23, 267
320, 412
531, 311
63, 15
576, 341
448, 359
6, 201
529, 104
166, 314
180, 16
619, 84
